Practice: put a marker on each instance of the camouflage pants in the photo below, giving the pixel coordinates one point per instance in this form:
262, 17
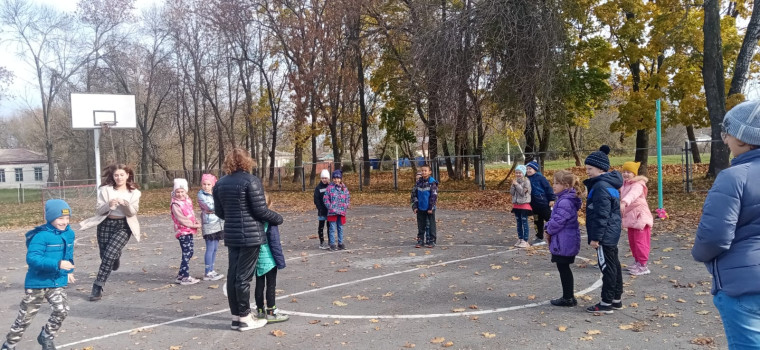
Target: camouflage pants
29, 307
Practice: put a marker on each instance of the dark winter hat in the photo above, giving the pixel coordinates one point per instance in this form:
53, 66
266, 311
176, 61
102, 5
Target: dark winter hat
55, 208
337, 174
599, 159
743, 122
533, 165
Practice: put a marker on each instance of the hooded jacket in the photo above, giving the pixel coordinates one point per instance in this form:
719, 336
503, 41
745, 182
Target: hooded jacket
520, 191
563, 226
211, 223
319, 198
603, 219
46, 246
425, 194
728, 235
239, 201
337, 199
633, 197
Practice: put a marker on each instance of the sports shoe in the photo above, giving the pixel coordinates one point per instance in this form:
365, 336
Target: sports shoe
248, 322
430, 245
523, 244
341, 246
599, 308
564, 302
8, 347
213, 276
518, 243
46, 340
324, 246
178, 280
274, 316
617, 306
260, 314
537, 242
631, 267
418, 245
333, 248
235, 323
116, 264
188, 281
97, 293
641, 270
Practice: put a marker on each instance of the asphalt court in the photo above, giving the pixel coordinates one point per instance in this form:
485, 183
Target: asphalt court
474, 290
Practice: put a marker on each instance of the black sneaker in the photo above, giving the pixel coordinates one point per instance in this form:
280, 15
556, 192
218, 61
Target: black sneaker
46, 340
617, 306
418, 245
235, 325
341, 246
430, 245
7, 347
599, 308
333, 248
564, 302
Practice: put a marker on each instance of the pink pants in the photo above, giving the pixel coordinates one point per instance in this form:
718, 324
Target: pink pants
640, 241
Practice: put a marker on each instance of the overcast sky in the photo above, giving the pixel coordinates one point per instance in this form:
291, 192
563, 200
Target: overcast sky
24, 88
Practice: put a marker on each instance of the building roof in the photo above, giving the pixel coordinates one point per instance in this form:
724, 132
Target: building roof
20, 156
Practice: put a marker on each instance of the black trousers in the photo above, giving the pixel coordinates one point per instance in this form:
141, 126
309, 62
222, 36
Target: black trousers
268, 281
612, 273
566, 277
321, 230
422, 221
541, 214
242, 266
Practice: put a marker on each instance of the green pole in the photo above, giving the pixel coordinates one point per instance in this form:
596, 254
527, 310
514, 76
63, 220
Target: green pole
659, 156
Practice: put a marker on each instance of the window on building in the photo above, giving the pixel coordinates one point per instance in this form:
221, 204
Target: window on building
2, 175
38, 174
19, 175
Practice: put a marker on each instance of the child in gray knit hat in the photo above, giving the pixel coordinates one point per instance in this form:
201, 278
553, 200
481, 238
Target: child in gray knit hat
728, 238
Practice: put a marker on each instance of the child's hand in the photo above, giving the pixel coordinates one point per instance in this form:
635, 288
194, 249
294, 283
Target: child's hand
415, 211
72, 279
430, 211
551, 204
123, 202
113, 203
65, 265
595, 244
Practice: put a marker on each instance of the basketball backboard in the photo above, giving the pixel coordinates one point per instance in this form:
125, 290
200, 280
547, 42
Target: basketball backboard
90, 111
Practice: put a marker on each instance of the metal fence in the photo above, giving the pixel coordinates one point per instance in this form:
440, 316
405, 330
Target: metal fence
694, 174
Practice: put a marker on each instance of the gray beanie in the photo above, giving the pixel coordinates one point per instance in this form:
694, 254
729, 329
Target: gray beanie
743, 122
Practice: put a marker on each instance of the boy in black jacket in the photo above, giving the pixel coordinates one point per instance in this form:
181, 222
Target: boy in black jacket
319, 193
603, 225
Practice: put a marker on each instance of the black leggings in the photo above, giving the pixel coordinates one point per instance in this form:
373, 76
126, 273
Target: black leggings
566, 276
270, 280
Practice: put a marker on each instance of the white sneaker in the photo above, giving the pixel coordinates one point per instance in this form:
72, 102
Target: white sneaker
178, 280
523, 244
189, 280
213, 276
538, 242
247, 323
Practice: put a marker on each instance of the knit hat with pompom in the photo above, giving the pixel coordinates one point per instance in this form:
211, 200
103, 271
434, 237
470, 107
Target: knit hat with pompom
599, 159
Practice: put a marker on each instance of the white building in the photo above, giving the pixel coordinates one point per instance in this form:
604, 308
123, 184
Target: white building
22, 167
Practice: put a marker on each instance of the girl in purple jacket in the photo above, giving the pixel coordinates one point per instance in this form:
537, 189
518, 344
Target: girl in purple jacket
563, 232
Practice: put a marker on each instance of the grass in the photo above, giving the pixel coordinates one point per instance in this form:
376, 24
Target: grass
11, 195
560, 164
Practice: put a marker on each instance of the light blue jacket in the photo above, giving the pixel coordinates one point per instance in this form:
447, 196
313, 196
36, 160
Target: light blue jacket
45, 248
211, 223
728, 236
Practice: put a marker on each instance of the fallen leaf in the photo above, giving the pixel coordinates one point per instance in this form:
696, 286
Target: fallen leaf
495, 267
376, 266
669, 249
458, 293
512, 295
141, 290
387, 295
339, 303
626, 327
681, 301
531, 297
448, 344
703, 341
676, 324
488, 335
409, 345
361, 297
562, 328
515, 278
277, 333
458, 309
374, 320
213, 286
593, 332
587, 338
342, 270
474, 307
195, 297
634, 305
703, 312
175, 347
314, 321
437, 340
677, 268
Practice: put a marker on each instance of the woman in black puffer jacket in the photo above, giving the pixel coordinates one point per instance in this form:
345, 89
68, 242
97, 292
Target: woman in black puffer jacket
239, 201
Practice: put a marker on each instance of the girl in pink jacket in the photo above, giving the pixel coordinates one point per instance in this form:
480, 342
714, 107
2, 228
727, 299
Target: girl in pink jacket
637, 217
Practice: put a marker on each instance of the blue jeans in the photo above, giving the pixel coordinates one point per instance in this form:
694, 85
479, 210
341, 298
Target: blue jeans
211, 247
741, 319
331, 231
523, 230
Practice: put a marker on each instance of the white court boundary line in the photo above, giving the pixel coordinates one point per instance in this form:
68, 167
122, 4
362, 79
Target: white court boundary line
594, 286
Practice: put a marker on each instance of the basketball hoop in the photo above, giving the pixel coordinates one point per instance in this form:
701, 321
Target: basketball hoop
106, 125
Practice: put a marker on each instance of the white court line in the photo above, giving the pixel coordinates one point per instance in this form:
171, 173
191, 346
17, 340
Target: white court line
596, 285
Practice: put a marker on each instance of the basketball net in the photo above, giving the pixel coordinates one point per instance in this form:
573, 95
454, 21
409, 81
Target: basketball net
105, 128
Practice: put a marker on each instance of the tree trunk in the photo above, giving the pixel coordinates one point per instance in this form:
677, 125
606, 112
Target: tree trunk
713, 76
574, 145
746, 52
362, 104
529, 105
447, 160
696, 156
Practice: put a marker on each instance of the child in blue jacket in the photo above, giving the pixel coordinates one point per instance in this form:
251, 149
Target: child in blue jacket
424, 201
728, 235
270, 260
542, 199
50, 256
